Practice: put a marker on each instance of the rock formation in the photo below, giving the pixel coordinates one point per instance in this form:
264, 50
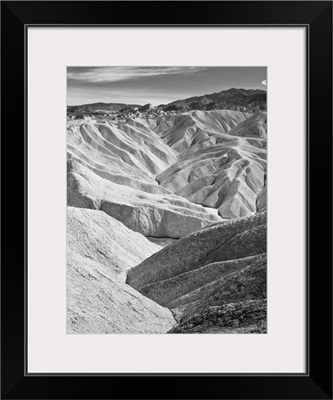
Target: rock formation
99, 251
246, 317
146, 107
222, 163
166, 220
112, 168
222, 263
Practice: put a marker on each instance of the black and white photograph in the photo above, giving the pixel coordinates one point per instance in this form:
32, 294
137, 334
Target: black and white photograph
166, 200
154, 237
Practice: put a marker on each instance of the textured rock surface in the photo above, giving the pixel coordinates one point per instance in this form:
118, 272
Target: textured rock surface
110, 171
126, 153
254, 126
246, 282
174, 204
215, 283
181, 131
262, 199
223, 165
245, 317
219, 264
193, 251
99, 250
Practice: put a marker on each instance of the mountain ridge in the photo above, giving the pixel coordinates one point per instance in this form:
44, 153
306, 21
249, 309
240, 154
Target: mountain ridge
234, 98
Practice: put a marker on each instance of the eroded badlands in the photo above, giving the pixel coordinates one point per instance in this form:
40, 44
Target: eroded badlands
167, 222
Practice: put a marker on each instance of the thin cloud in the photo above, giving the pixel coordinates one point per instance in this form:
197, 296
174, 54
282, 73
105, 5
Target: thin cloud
116, 74
264, 82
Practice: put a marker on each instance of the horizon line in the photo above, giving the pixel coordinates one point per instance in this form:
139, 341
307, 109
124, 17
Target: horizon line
133, 103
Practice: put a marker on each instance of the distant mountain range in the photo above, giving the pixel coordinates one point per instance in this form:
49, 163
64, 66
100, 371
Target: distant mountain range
227, 99
234, 99
94, 107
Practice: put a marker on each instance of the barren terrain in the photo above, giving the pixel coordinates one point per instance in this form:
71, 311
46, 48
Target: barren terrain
166, 219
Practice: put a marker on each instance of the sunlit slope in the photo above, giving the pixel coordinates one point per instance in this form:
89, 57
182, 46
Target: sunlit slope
180, 131
226, 171
125, 153
112, 169
99, 250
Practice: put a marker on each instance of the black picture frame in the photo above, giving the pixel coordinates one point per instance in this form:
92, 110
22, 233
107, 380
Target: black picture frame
316, 383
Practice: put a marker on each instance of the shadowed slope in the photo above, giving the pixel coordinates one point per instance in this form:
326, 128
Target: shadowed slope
206, 267
247, 282
246, 317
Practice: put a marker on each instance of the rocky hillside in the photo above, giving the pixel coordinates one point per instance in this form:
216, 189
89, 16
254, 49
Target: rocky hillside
222, 160
99, 251
231, 99
245, 317
166, 222
112, 167
221, 264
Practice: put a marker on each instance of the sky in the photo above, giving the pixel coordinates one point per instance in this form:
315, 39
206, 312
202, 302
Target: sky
156, 85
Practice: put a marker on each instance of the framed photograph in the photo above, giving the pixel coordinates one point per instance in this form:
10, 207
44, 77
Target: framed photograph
166, 194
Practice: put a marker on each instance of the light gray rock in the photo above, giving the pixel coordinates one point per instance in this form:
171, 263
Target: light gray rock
254, 126
199, 177
124, 153
180, 131
220, 167
157, 215
99, 251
